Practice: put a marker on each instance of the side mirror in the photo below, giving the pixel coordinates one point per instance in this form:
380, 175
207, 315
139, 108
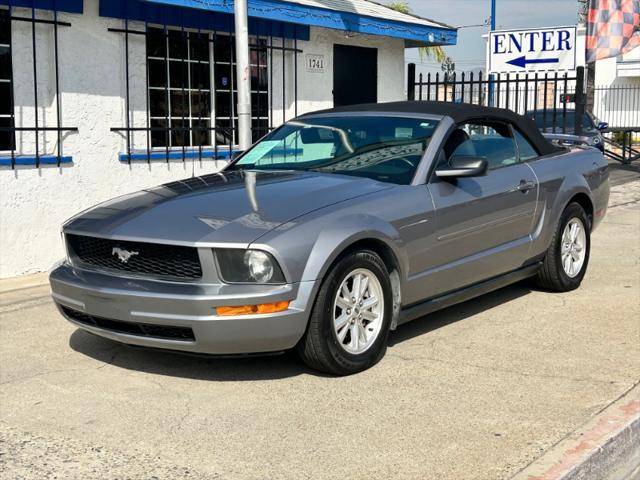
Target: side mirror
236, 154
603, 125
464, 166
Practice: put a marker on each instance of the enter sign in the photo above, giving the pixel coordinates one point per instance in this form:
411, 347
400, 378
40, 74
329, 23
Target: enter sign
532, 50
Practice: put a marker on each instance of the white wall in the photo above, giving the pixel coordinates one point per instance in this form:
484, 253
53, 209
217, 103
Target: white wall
620, 70
315, 89
617, 94
35, 202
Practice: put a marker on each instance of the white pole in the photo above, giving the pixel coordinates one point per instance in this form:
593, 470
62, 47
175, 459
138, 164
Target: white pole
243, 74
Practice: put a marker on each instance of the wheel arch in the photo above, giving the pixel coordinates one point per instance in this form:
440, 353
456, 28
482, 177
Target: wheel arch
382, 241
585, 201
392, 264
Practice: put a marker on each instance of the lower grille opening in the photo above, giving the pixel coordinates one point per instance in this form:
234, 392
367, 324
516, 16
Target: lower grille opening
130, 328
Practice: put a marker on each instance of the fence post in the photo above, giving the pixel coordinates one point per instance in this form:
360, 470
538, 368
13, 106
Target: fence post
580, 100
411, 82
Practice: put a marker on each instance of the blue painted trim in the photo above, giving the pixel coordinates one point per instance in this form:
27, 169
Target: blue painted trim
319, 17
161, 155
31, 160
69, 6
177, 16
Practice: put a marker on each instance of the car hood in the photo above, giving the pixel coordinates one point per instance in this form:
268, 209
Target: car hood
234, 207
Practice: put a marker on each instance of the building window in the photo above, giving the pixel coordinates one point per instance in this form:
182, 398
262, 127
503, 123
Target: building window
179, 88
192, 81
7, 136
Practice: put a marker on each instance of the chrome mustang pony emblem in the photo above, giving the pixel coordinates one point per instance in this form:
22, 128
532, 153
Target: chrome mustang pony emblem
123, 255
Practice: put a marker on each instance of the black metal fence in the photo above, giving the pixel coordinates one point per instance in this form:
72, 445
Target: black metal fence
555, 100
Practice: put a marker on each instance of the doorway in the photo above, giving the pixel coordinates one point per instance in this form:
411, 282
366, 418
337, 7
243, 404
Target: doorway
355, 75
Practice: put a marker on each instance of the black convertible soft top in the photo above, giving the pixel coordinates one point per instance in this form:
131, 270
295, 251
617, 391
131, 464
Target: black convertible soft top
459, 112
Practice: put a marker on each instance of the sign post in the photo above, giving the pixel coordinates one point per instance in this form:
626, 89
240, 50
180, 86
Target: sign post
493, 27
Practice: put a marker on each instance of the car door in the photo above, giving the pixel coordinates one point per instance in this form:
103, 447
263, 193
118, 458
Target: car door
483, 223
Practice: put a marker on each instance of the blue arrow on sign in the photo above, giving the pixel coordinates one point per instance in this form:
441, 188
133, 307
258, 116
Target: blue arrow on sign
522, 61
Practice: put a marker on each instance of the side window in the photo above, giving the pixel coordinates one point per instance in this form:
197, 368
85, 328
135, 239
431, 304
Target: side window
490, 140
526, 150
7, 139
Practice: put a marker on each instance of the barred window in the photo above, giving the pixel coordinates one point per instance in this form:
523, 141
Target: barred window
192, 81
7, 137
179, 88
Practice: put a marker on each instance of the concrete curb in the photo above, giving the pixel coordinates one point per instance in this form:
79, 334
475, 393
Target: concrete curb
23, 282
606, 448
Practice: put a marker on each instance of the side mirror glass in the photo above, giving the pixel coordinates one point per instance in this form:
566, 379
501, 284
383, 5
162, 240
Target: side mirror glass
463, 166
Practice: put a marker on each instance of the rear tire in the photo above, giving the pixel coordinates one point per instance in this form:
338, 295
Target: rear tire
565, 263
350, 320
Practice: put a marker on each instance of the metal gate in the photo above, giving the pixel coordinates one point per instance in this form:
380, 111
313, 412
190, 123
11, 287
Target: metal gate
555, 101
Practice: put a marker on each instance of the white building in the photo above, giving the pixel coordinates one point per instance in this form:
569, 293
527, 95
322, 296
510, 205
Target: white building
130, 94
617, 90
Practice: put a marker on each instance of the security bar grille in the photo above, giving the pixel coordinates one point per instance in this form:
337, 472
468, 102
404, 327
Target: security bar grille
8, 127
192, 90
7, 137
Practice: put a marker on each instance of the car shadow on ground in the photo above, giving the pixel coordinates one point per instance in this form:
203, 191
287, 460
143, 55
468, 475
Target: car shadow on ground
265, 367
457, 313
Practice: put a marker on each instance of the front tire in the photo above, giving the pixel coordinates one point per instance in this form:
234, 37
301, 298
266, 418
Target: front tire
349, 323
565, 263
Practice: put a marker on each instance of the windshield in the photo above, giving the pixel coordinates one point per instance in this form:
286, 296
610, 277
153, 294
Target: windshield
387, 149
566, 119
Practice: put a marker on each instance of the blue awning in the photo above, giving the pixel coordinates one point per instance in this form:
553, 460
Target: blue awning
178, 16
290, 12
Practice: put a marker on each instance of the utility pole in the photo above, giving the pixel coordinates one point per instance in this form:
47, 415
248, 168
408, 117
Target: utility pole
243, 74
493, 14
492, 77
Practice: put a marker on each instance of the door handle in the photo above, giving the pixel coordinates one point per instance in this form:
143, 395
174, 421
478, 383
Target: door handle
525, 186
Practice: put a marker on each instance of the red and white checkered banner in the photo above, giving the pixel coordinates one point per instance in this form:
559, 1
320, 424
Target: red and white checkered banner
613, 28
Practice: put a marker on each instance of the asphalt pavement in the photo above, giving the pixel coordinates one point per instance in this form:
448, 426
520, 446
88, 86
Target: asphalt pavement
478, 391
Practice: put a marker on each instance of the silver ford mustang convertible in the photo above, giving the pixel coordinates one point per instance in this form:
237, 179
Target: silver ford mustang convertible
332, 230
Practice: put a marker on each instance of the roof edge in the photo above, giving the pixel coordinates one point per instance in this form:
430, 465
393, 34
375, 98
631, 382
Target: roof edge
410, 14
313, 16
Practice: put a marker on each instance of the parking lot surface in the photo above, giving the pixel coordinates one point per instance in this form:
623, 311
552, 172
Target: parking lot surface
477, 391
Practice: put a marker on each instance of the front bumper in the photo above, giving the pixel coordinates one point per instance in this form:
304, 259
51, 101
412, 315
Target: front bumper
191, 305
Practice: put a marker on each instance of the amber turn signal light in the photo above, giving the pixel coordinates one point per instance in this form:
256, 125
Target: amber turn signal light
251, 309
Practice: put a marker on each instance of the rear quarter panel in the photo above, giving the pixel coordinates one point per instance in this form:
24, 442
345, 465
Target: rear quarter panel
562, 177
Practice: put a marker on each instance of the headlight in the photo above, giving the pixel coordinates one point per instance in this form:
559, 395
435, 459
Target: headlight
248, 266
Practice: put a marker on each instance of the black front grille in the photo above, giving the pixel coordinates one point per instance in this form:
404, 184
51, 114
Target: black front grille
151, 259
130, 328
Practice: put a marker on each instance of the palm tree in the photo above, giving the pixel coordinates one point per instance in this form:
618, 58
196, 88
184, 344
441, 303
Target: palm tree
434, 53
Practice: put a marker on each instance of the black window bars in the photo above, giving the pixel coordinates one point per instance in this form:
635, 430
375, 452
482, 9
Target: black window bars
37, 129
166, 132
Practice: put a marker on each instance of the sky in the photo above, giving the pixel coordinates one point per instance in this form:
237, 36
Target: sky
469, 54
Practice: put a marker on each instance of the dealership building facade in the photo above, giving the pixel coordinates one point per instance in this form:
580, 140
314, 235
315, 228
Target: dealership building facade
100, 98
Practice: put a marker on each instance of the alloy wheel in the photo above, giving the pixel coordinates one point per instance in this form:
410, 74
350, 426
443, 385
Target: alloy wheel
358, 311
573, 248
